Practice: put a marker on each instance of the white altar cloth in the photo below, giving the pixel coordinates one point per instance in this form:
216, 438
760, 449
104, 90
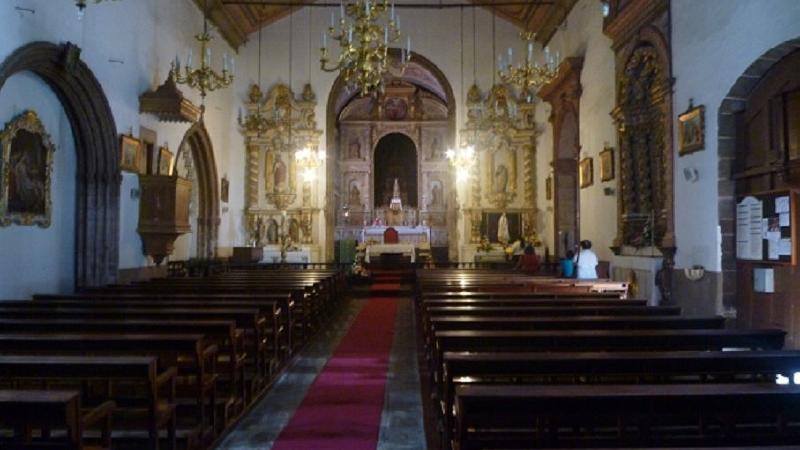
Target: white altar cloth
272, 255
407, 235
377, 249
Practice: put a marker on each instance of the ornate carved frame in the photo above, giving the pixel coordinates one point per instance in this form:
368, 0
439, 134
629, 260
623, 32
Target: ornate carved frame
97, 146
30, 122
633, 25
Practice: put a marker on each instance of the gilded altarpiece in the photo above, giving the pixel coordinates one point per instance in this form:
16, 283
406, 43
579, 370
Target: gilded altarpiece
278, 203
403, 108
640, 32
502, 129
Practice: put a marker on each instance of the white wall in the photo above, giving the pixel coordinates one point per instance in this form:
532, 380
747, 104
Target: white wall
582, 35
713, 42
41, 259
129, 46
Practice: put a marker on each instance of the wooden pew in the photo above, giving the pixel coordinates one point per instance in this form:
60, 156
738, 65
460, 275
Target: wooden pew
159, 412
25, 410
509, 416
471, 368
189, 352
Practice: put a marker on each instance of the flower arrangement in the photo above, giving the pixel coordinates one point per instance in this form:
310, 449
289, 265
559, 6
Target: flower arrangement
484, 245
534, 239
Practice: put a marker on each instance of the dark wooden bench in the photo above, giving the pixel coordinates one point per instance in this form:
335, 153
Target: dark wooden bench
158, 410
510, 416
26, 410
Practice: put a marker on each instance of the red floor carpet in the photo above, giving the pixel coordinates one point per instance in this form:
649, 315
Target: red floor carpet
342, 409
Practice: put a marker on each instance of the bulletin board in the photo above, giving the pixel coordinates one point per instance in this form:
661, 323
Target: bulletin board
767, 227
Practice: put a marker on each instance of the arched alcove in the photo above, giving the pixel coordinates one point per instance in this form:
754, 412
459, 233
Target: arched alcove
773, 72
395, 158
205, 169
97, 147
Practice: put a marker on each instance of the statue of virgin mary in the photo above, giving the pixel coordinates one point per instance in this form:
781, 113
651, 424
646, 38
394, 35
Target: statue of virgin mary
502, 230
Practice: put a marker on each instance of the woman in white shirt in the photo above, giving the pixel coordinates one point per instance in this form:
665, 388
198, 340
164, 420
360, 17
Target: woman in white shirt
586, 262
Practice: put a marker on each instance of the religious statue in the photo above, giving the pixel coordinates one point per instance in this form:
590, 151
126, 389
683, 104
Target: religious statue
500, 178
354, 151
279, 177
503, 235
436, 149
396, 203
355, 196
436, 194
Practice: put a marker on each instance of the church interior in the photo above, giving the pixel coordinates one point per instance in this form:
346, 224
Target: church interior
399, 224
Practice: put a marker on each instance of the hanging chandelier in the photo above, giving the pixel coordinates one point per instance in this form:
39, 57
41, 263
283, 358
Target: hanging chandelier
204, 78
364, 43
462, 159
529, 75
81, 4
309, 161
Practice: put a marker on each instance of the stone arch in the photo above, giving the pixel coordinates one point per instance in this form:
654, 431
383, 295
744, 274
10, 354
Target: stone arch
340, 96
735, 101
97, 146
208, 219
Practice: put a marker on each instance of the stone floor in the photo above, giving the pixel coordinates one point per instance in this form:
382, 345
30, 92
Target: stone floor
402, 417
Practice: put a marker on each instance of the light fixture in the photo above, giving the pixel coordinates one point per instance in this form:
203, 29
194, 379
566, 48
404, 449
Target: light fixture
606, 8
462, 159
364, 43
81, 4
204, 78
309, 161
529, 75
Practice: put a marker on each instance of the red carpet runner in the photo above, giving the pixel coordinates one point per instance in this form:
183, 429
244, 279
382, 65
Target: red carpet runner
342, 409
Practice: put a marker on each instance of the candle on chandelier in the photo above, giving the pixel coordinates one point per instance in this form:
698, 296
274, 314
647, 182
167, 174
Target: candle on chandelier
392, 16
324, 40
190, 59
510, 56
386, 36
408, 45
341, 8
333, 19
233, 65
208, 57
530, 51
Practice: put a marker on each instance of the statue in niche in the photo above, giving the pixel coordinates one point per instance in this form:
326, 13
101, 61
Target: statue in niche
436, 149
354, 150
500, 179
503, 236
272, 232
280, 177
294, 230
436, 194
355, 196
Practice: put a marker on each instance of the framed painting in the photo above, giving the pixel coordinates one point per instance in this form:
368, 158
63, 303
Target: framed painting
132, 157
607, 164
586, 172
26, 170
224, 189
165, 158
548, 188
691, 130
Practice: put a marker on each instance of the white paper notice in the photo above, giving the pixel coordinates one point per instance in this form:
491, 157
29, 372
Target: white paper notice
782, 204
772, 250
750, 229
785, 247
784, 220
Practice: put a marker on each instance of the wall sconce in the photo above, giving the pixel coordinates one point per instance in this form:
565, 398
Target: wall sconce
691, 174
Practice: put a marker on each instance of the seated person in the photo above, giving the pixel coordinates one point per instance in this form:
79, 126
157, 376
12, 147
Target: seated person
568, 265
528, 262
586, 262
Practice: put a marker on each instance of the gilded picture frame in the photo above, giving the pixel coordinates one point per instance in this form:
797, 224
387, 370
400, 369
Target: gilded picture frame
132, 157
586, 172
165, 159
26, 169
691, 130
607, 164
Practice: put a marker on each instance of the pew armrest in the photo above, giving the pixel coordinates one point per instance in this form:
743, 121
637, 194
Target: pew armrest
101, 412
168, 377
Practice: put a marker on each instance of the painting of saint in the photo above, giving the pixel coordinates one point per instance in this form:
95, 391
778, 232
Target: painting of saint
436, 194
436, 149
27, 174
354, 149
272, 232
280, 177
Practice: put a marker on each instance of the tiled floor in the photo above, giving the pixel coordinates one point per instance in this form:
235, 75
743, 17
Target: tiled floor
402, 418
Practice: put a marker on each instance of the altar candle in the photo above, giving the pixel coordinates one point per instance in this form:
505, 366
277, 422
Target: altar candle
333, 19
530, 51
510, 56
408, 45
392, 10
386, 35
324, 40
190, 58
341, 8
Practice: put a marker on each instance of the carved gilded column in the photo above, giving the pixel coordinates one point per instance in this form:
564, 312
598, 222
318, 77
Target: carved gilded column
252, 176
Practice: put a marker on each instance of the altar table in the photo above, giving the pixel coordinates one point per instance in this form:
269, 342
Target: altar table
408, 235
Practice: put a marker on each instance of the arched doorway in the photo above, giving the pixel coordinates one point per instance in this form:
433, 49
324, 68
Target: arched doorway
759, 153
97, 146
206, 180
395, 159
417, 103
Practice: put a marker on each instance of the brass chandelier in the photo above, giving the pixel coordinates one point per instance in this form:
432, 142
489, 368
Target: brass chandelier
204, 78
529, 75
364, 44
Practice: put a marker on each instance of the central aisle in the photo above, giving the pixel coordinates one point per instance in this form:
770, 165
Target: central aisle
342, 410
